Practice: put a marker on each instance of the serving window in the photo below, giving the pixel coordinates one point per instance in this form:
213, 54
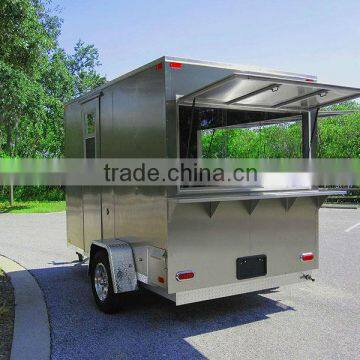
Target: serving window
227, 133
219, 111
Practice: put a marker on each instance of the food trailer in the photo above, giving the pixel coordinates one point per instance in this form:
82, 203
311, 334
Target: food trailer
191, 243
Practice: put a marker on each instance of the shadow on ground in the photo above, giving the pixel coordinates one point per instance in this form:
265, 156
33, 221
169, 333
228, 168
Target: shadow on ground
148, 326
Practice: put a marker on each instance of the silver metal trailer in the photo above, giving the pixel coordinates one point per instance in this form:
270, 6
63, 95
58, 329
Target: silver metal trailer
192, 244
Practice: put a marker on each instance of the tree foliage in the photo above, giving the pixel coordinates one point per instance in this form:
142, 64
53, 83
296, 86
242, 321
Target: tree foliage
339, 137
37, 77
82, 65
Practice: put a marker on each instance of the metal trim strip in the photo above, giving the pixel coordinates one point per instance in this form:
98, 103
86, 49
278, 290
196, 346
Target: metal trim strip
241, 287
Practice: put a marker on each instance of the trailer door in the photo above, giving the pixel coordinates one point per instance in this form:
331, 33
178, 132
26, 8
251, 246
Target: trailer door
246, 91
107, 140
91, 194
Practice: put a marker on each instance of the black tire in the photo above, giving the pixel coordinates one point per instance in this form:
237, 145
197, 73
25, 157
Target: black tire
110, 304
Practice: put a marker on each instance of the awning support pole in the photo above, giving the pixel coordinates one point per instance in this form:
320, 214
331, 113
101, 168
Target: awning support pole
309, 134
321, 92
273, 87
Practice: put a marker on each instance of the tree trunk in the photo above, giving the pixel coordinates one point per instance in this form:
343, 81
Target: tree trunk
10, 152
11, 195
8, 149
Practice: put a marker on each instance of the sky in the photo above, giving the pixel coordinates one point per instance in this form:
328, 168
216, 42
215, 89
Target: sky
313, 37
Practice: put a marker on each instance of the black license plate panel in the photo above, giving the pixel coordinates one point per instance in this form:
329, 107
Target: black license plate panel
251, 266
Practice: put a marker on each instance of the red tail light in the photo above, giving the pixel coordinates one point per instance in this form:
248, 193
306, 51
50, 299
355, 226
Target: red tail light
184, 275
307, 256
161, 280
175, 65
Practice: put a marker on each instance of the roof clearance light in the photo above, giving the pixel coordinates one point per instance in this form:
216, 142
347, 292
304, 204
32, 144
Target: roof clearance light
184, 275
175, 65
309, 80
307, 256
159, 66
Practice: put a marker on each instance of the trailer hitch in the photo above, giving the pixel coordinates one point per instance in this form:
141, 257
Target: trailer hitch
307, 277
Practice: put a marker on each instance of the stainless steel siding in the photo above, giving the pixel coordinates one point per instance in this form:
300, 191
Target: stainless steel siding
210, 246
74, 149
139, 131
107, 151
92, 194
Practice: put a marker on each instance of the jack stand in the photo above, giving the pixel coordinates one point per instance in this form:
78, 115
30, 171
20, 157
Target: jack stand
80, 257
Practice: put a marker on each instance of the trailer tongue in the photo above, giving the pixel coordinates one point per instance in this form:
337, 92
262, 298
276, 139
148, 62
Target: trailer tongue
192, 243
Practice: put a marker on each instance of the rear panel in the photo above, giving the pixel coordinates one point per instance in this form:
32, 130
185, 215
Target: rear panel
210, 246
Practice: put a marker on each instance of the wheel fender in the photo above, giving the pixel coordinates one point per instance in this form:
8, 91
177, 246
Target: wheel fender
122, 264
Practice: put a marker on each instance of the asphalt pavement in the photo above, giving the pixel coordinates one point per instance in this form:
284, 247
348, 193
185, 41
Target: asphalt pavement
319, 320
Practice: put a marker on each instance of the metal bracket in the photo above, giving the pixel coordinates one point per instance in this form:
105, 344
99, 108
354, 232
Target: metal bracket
272, 87
288, 202
319, 200
250, 205
211, 207
122, 264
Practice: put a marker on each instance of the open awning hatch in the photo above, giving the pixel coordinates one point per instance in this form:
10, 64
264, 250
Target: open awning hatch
268, 93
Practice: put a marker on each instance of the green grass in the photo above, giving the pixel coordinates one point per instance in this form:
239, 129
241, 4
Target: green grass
26, 207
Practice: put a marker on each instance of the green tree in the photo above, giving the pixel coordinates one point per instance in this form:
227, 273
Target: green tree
82, 65
339, 137
37, 77
24, 47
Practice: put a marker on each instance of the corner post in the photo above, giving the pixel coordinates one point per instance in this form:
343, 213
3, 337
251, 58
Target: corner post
309, 134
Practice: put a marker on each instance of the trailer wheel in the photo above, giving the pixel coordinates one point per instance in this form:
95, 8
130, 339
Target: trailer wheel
102, 286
